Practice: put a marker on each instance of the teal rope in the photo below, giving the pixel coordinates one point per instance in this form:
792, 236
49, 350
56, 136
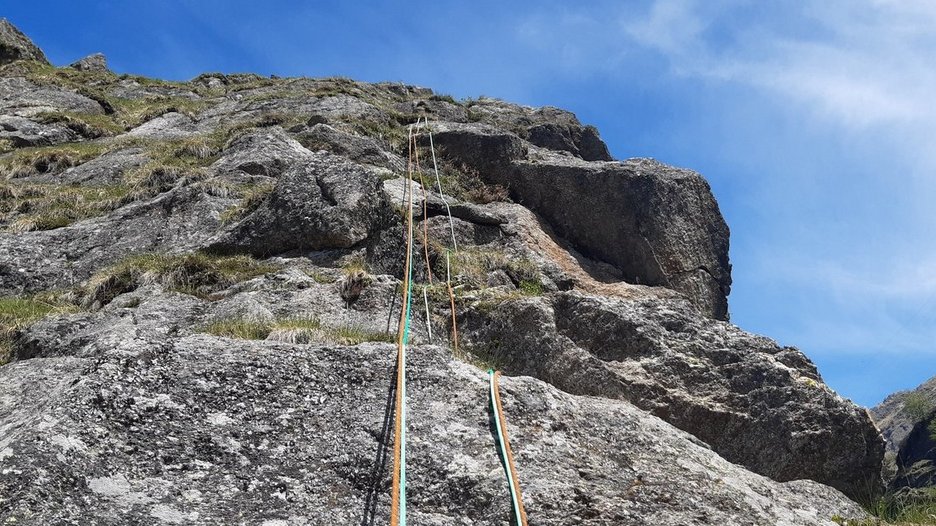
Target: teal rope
406, 328
503, 449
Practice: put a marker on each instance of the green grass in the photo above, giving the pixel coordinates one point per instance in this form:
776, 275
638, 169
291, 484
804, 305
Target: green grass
25, 207
906, 509
31, 161
917, 405
486, 356
251, 197
18, 312
240, 329
352, 335
295, 331
196, 273
531, 287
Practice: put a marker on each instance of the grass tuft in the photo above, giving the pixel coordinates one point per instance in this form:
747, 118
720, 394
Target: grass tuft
195, 273
19, 312
240, 329
295, 331
26, 207
27, 162
251, 197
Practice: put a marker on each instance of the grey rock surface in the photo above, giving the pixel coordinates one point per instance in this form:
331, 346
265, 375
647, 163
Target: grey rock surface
896, 419
22, 98
658, 225
363, 150
172, 125
322, 202
202, 430
24, 133
266, 151
94, 62
906, 420
14, 45
178, 220
733, 390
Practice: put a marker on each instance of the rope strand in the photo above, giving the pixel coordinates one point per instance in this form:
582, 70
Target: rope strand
398, 497
516, 496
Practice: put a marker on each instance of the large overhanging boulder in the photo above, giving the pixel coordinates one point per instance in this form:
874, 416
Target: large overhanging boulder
658, 225
755, 403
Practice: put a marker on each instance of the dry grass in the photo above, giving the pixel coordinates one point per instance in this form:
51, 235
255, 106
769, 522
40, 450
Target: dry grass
251, 197
26, 207
196, 273
87, 125
305, 330
27, 162
17, 313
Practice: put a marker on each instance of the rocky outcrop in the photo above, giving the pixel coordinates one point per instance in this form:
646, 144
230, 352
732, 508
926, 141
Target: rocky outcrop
908, 422
321, 202
24, 133
733, 390
178, 220
22, 98
137, 425
96, 62
14, 45
218, 262
658, 225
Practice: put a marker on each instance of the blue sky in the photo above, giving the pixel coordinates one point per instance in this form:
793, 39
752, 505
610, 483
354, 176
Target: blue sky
813, 121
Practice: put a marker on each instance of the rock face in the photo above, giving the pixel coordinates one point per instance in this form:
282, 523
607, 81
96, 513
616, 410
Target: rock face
196, 429
95, 62
14, 45
908, 422
198, 282
321, 202
733, 390
658, 225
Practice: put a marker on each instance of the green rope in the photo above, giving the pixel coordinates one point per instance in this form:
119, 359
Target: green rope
503, 449
406, 328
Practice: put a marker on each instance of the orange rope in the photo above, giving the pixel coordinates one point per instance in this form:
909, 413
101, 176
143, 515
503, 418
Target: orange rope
510, 459
451, 294
398, 417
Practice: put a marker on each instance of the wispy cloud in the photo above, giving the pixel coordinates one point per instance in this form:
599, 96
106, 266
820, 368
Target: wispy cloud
851, 232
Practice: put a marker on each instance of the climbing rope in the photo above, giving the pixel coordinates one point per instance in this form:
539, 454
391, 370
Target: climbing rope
435, 168
398, 497
500, 424
451, 295
448, 265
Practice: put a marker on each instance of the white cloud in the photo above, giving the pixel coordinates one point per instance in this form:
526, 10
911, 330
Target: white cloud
862, 62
